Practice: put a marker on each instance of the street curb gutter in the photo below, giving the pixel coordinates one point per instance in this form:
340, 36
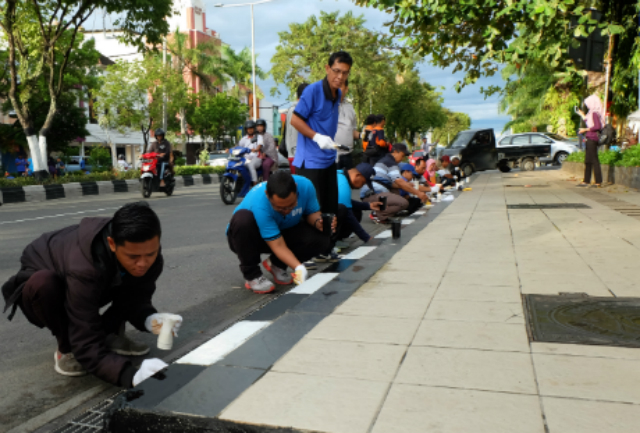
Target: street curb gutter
38, 193
193, 391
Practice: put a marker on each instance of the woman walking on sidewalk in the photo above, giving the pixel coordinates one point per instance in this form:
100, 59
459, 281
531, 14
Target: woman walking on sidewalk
594, 120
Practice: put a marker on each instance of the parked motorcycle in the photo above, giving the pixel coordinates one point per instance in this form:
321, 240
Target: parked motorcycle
150, 176
236, 180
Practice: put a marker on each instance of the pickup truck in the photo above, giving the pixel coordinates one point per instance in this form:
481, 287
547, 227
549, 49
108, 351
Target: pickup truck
477, 151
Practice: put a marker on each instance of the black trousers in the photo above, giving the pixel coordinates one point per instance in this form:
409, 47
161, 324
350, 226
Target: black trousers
325, 181
345, 162
591, 162
304, 241
43, 299
345, 229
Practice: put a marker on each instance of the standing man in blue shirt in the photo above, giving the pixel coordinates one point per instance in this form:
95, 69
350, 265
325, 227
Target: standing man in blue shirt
316, 119
281, 217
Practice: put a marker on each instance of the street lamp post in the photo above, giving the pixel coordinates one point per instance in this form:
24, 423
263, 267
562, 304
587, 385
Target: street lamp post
253, 49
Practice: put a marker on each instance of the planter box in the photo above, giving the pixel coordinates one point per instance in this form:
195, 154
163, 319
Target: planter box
197, 180
12, 194
187, 180
576, 169
53, 192
628, 176
89, 188
207, 179
120, 186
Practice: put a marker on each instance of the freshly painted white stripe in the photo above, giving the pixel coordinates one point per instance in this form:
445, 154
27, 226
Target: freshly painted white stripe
224, 343
408, 221
359, 253
384, 235
419, 212
56, 216
314, 283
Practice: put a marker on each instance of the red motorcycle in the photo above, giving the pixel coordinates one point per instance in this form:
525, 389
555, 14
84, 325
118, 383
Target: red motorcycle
150, 176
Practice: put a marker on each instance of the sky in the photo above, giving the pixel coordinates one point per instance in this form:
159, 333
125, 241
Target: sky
234, 27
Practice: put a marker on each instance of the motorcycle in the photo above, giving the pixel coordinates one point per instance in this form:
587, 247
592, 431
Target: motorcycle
236, 180
150, 178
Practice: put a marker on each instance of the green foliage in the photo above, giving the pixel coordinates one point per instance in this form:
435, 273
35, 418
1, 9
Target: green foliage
217, 116
410, 107
238, 66
190, 170
576, 157
99, 159
304, 50
74, 177
456, 122
609, 157
180, 161
630, 157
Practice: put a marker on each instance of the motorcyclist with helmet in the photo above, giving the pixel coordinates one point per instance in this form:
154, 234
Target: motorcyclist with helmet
269, 149
165, 155
254, 142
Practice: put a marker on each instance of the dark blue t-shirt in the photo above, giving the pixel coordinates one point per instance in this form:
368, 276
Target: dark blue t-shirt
321, 111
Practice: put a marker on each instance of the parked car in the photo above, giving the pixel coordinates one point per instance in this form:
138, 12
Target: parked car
561, 147
218, 159
477, 151
415, 156
74, 164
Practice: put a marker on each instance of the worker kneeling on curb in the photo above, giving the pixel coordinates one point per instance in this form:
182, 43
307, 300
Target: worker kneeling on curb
67, 276
281, 217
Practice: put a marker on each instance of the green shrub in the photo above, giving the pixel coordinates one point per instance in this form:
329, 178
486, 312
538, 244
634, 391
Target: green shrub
99, 159
219, 169
609, 157
576, 157
190, 170
180, 161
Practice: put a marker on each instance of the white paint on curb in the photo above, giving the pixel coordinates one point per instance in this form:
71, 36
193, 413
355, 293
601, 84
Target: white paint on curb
222, 344
359, 253
408, 221
384, 235
421, 212
314, 283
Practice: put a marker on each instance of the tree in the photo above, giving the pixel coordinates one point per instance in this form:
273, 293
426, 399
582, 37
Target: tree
455, 123
40, 36
216, 116
304, 50
238, 66
410, 107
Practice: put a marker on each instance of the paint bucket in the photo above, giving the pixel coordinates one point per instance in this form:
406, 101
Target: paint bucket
165, 339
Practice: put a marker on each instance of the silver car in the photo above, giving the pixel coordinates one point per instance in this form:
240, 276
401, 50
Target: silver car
561, 147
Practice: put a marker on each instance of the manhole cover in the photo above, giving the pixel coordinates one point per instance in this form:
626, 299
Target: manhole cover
583, 320
549, 206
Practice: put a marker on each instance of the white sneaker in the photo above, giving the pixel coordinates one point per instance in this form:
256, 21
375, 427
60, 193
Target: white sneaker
280, 276
260, 285
67, 365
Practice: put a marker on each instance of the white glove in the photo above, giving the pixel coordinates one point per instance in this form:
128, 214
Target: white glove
148, 368
457, 168
324, 142
301, 274
154, 322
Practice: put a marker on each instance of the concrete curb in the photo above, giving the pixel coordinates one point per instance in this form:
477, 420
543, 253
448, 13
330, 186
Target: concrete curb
628, 176
38, 193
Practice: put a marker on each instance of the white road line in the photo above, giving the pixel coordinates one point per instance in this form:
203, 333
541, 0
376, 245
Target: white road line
420, 212
224, 343
314, 283
408, 221
359, 253
57, 216
384, 235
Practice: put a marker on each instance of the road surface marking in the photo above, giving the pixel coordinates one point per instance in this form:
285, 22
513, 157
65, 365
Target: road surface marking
57, 216
224, 343
314, 283
384, 235
359, 253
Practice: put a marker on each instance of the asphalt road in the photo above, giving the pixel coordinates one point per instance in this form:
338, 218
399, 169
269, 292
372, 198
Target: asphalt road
201, 281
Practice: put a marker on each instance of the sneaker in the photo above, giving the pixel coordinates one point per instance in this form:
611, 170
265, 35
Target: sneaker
280, 276
327, 258
67, 365
260, 285
310, 265
122, 345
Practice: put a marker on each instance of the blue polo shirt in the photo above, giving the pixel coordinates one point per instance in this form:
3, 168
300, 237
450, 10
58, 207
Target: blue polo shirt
271, 222
344, 190
321, 111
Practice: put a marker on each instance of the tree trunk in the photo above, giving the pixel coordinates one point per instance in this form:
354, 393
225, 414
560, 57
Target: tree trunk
114, 156
34, 148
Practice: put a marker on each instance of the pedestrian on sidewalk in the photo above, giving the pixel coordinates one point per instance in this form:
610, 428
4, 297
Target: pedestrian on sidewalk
347, 131
595, 121
281, 217
67, 276
350, 211
316, 119
269, 149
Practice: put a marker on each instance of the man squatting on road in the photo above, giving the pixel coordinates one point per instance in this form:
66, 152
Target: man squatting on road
68, 275
281, 217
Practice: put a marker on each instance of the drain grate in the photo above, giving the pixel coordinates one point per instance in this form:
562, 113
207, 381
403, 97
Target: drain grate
91, 421
549, 206
583, 320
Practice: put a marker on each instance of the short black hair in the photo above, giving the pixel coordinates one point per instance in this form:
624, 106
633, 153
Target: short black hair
381, 117
371, 119
282, 184
301, 88
135, 222
341, 57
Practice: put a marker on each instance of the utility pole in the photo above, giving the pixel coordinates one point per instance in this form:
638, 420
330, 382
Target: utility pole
608, 76
164, 95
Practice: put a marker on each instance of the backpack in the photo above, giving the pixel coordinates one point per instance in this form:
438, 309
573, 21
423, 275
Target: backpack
607, 135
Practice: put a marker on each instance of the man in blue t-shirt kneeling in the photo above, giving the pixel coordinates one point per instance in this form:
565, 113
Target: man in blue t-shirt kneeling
281, 217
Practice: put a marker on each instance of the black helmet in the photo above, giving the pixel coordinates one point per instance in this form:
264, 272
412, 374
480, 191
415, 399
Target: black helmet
249, 124
159, 131
263, 123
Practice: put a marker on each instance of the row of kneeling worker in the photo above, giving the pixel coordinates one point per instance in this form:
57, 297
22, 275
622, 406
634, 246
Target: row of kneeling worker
67, 277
